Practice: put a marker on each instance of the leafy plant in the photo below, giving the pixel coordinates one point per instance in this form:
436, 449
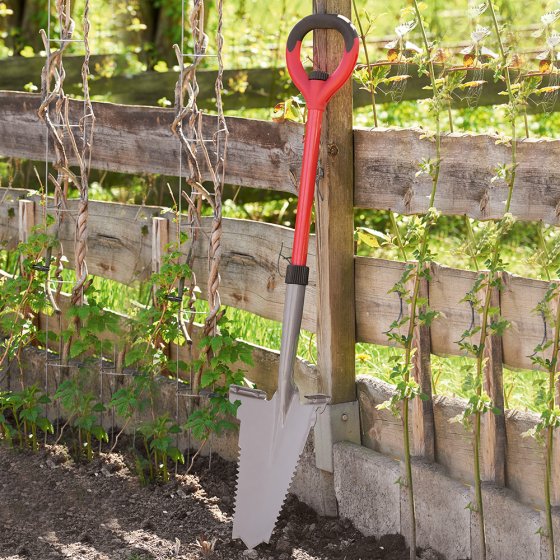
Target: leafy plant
479, 297
157, 325
24, 296
82, 409
158, 444
415, 239
129, 400
30, 403
217, 374
90, 322
549, 420
26, 409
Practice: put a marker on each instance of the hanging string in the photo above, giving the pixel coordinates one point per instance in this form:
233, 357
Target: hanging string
58, 128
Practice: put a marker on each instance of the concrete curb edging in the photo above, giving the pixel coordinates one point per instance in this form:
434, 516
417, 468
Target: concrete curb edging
369, 495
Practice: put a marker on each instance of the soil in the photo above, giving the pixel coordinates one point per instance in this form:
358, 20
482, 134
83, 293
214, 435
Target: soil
53, 508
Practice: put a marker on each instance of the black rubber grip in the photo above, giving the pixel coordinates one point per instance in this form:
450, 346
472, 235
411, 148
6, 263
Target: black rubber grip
319, 75
297, 274
323, 21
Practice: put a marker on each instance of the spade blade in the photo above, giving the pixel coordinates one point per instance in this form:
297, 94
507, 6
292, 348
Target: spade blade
269, 454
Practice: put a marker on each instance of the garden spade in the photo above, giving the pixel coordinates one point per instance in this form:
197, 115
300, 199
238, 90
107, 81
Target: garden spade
273, 432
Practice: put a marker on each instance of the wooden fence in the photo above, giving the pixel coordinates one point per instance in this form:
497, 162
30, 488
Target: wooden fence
382, 166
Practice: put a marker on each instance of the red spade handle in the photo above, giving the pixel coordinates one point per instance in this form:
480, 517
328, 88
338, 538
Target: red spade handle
317, 89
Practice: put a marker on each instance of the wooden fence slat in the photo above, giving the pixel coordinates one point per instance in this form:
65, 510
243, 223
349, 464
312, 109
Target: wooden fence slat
382, 432
493, 429
267, 155
26, 219
423, 437
160, 239
387, 162
9, 212
134, 139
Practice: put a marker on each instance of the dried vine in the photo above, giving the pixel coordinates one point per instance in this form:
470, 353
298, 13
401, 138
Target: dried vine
62, 134
187, 113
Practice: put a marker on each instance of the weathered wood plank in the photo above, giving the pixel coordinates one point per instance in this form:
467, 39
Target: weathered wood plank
268, 155
377, 308
9, 206
518, 302
133, 139
493, 429
386, 163
383, 432
120, 248
423, 437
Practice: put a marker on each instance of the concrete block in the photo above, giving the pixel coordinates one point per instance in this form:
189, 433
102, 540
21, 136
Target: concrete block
366, 489
442, 518
511, 527
314, 486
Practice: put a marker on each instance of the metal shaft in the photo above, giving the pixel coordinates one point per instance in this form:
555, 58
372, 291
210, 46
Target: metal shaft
291, 325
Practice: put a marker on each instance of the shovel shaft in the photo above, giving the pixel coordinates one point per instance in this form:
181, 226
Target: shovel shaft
291, 325
307, 186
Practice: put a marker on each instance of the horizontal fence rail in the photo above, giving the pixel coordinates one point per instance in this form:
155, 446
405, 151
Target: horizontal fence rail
267, 155
120, 249
252, 88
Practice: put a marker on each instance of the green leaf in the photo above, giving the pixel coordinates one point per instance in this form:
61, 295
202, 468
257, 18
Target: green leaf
99, 433
176, 455
45, 425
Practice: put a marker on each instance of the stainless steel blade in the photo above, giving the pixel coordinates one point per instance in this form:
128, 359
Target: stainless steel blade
269, 454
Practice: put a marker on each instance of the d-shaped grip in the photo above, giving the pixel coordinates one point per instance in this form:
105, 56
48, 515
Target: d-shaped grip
323, 21
317, 92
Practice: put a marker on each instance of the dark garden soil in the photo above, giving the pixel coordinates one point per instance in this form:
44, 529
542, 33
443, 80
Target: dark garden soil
51, 508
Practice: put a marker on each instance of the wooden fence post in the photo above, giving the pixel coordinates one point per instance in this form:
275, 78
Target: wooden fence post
493, 437
423, 434
335, 225
160, 239
334, 210
26, 219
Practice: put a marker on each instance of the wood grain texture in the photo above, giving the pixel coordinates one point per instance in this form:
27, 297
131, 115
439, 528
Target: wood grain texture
134, 139
493, 428
26, 219
382, 432
387, 161
422, 412
120, 249
336, 338
9, 217
267, 155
